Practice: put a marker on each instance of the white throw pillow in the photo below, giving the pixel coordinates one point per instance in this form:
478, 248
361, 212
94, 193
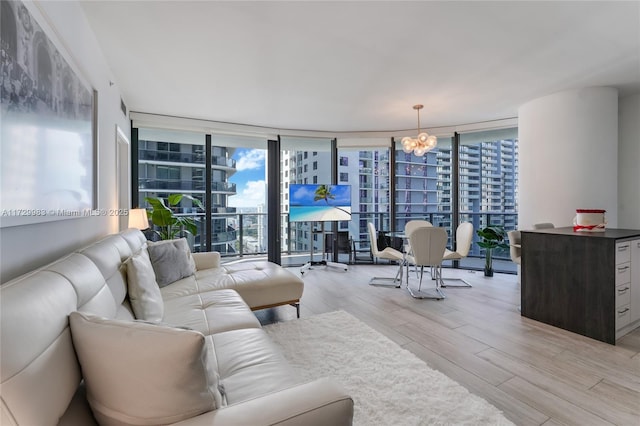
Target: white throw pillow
138, 373
144, 293
171, 260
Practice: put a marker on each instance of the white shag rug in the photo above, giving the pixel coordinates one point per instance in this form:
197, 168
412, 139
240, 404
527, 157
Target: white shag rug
389, 385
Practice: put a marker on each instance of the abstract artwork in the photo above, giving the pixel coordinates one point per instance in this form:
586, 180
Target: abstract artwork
48, 161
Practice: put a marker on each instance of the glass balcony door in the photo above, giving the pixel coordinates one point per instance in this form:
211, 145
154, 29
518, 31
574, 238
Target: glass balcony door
488, 170
302, 161
423, 186
365, 165
238, 195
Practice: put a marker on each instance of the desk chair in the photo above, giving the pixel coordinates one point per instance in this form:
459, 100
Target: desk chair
464, 236
388, 253
427, 248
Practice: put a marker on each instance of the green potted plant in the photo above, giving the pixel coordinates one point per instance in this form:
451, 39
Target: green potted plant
492, 237
164, 218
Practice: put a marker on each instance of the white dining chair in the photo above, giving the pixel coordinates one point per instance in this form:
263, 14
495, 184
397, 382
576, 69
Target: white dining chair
515, 248
387, 253
515, 251
408, 228
427, 248
464, 237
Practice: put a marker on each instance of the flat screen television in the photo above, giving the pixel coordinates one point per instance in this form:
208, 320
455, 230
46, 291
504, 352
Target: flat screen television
319, 203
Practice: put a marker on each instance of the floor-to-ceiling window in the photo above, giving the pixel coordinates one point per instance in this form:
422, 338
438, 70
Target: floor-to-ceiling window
238, 194
473, 174
364, 164
488, 182
302, 161
423, 185
175, 162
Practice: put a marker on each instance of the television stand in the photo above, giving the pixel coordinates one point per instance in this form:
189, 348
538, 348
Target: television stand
324, 262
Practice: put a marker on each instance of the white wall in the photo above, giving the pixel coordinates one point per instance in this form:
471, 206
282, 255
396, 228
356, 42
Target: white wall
24, 247
629, 162
568, 156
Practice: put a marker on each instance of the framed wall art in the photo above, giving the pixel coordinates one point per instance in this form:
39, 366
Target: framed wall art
48, 158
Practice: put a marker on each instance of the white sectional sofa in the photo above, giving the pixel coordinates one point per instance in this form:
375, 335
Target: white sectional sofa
74, 354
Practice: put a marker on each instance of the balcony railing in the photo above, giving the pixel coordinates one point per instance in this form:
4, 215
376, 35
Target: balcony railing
223, 161
151, 185
176, 157
184, 157
246, 234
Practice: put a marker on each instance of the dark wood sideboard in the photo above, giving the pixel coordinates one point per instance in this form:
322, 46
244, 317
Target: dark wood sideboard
582, 281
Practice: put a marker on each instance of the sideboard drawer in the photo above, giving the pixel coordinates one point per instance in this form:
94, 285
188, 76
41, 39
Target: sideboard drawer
623, 273
623, 316
623, 295
623, 252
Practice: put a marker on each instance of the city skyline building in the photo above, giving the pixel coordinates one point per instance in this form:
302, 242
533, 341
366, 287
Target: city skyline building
174, 162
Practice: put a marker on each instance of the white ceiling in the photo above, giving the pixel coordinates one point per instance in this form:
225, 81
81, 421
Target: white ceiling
352, 66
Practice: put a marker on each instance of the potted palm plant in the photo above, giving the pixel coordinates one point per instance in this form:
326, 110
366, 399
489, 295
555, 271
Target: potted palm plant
163, 216
492, 237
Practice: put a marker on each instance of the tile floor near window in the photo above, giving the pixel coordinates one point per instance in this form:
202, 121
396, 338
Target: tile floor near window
536, 374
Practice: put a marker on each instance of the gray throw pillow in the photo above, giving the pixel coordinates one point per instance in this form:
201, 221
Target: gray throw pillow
171, 260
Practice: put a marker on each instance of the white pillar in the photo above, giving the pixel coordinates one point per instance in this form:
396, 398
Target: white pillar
629, 162
568, 156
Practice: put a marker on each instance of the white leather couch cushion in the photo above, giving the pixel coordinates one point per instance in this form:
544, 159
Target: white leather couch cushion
39, 365
144, 293
318, 403
251, 365
108, 255
206, 260
138, 373
210, 312
260, 284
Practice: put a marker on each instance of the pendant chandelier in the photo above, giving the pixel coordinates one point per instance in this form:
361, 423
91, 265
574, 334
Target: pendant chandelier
423, 143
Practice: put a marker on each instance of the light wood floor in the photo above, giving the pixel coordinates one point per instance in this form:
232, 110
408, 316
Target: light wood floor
536, 374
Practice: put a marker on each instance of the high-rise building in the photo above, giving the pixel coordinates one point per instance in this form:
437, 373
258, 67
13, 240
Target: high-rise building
168, 165
487, 184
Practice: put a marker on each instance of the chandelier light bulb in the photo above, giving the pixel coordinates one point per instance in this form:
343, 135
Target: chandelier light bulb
422, 144
432, 141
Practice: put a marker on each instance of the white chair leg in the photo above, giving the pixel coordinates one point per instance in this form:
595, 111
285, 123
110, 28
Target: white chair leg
446, 282
388, 281
419, 294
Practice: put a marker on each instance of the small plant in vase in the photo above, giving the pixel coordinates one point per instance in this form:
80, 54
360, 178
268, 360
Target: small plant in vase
492, 237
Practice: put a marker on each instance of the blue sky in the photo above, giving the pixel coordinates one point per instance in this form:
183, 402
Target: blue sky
249, 178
